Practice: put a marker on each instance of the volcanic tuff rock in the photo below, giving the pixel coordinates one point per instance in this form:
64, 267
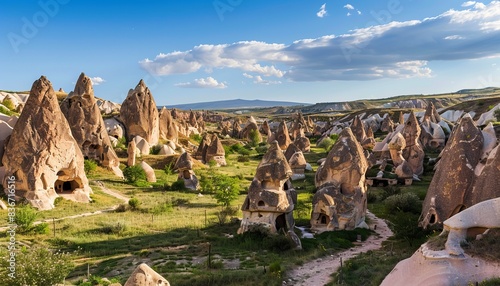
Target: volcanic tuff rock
184, 165
340, 202
413, 153
139, 114
168, 130
271, 198
454, 174
42, 153
215, 151
87, 126
282, 136
143, 275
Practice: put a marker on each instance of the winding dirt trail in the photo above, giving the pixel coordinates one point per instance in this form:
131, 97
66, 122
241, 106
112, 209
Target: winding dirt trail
318, 271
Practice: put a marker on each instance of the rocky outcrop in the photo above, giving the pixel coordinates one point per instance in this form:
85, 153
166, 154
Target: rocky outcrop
215, 151
396, 147
454, 174
131, 153
413, 153
143, 275
282, 136
42, 154
387, 124
340, 202
87, 126
150, 172
139, 114
271, 199
184, 165
167, 128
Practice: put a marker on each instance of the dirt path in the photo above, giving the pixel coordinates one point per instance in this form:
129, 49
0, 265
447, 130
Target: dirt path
318, 271
110, 209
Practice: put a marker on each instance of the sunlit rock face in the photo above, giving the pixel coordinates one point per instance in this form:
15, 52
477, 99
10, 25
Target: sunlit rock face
454, 174
340, 202
271, 199
42, 154
87, 126
167, 127
139, 114
282, 136
143, 275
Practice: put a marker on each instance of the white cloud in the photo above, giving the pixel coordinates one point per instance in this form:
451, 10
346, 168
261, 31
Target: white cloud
468, 3
208, 82
454, 37
348, 14
97, 80
259, 80
322, 11
349, 7
393, 50
359, 12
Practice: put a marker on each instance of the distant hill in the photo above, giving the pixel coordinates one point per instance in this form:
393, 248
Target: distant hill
234, 104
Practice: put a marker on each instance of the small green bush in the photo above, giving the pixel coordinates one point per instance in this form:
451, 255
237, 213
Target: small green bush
114, 228
41, 228
9, 104
24, 218
326, 144
89, 166
243, 158
134, 173
169, 169
407, 202
497, 114
261, 149
58, 201
178, 186
390, 190
134, 203
254, 138
195, 137
155, 150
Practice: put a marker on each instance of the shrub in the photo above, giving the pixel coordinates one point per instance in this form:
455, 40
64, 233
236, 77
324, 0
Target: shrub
24, 218
405, 226
240, 149
212, 163
89, 166
195, 137
114, 228
390, 190
407, 202
169, 169
497, 114
254, 138
122, 143
6, 111
226, 189
134, 203
326, 144
41, 228
155, 150
261, 149
243, 158
37, 266
121, 208
9, 104
58, 201
178, 186
371, 197
134, 173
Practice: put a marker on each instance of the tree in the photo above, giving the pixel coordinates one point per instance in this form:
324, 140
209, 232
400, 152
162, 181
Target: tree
226, 189
254, 138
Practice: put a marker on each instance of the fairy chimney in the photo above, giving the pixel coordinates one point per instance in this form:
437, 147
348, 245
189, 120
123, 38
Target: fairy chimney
167, 128
42, 154
184, 165
282, 136
413, 153
87, 126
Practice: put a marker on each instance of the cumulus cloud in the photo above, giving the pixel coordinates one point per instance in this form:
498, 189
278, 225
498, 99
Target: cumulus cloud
208, 82
392, 50
97, 80
349, 7
322, 11
260, 80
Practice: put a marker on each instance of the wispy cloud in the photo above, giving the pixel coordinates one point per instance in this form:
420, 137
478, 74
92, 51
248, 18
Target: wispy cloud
322, 11
208, 82
393, 50
349, 7
259, 80
97, 80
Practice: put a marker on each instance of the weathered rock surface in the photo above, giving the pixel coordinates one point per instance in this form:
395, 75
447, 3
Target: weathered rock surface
340, 202
150, 172
139, 114
282, 136
454, 174
184, 165
42, 153
168, 130
143, 275
413, 153
271, 199
215, 151
87, 126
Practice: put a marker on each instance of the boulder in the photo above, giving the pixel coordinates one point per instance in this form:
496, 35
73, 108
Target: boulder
131, 153
141, 145
42, 154
139, 114
454, 174
143, 275
150, 172
87, 126
114, 128
166, 150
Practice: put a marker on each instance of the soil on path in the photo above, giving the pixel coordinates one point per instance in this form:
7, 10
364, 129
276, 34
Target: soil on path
318, 271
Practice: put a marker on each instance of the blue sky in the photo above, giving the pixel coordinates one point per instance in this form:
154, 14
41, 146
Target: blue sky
294, 50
